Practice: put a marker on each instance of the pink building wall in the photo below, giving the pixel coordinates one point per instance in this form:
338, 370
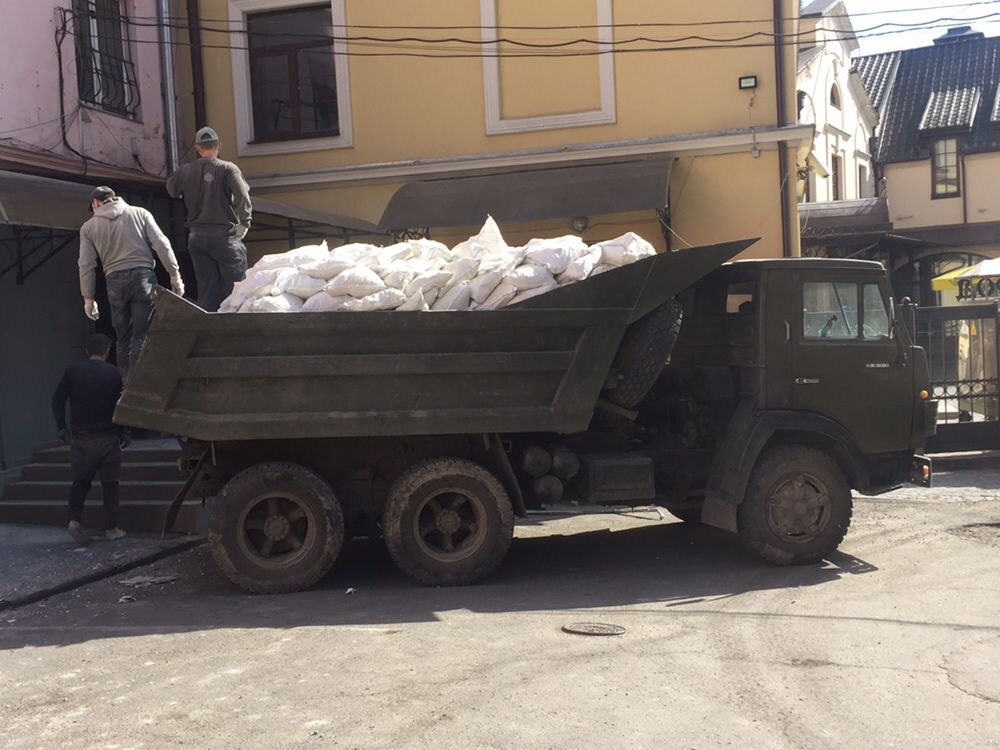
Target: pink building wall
29, 91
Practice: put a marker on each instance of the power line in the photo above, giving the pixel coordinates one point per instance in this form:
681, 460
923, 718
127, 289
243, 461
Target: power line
182, 21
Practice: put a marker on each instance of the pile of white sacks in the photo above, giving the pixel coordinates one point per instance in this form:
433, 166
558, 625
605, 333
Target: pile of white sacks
482, 273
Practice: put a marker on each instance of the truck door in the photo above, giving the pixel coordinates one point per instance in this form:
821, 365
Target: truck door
846, 363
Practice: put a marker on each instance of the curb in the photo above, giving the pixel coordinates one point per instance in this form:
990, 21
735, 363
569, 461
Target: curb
960, 462
98, 575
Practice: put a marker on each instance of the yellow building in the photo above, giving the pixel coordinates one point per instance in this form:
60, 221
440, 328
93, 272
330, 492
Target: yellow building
675, 120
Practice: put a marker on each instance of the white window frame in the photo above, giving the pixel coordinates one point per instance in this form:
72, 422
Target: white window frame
496, 124
242, 95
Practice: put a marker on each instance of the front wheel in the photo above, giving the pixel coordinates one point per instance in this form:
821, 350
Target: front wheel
448, 522
276, 527
798, 506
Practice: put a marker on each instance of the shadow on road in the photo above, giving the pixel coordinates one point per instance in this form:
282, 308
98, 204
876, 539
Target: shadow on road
669, 564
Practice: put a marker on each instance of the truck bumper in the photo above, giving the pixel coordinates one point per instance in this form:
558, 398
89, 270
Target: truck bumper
921, 472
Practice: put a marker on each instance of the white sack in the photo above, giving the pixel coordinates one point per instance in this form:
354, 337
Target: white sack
415, 303
399, 251
623, 250
301, 285
427, 281
555, 254
256, 284
328, 268
528, 294
293, 258
399, 279
358, 282
461, 270
430, 250
489, 241
323, 302
281, 303
581, 268
599, 269
456, 298
483, 285
529, 276
387, 299
500, 296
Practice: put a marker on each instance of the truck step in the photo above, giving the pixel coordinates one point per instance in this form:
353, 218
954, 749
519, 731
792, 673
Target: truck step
141, 451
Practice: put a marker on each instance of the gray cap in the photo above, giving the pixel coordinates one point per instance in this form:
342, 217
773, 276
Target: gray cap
101, 194
206, 136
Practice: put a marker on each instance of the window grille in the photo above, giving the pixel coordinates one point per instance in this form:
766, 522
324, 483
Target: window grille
106, 76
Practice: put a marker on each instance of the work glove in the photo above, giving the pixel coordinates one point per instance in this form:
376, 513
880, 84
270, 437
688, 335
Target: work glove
90, 309
178, 284
64, 435
241, 232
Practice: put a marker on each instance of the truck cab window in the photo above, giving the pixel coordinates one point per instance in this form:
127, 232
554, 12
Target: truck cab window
829, 310
876, 319
740, 297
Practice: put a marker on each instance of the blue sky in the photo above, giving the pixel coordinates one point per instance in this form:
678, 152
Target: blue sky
917, 11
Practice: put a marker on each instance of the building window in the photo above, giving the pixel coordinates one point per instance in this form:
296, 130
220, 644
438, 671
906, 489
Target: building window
837, 177
293, 79
835, 96
863, 191
105, 73
945, 169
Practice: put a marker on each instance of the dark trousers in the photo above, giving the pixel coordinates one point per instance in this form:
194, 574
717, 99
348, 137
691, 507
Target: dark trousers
219, 262
89, 455
130, 293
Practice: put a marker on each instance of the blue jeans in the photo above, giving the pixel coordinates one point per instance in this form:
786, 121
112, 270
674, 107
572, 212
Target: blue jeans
219, 262
130, 293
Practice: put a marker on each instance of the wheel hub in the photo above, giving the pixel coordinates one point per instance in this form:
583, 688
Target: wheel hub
448, 521
799, 509
276, 527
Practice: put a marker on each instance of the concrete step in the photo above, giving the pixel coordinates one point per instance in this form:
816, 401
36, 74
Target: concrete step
141, 451
132, 515
162, 492
153, 471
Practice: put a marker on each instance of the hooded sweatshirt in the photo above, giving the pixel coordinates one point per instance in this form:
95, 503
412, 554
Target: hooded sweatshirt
121, 236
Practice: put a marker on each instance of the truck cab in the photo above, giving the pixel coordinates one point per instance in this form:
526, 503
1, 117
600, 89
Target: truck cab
805, 359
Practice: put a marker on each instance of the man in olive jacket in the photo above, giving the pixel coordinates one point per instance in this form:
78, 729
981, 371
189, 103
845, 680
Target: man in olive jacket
217, 199
124, 238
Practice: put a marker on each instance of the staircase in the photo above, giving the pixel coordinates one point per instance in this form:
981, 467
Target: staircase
149, 482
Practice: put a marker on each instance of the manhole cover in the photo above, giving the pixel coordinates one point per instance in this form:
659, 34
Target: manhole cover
593, 628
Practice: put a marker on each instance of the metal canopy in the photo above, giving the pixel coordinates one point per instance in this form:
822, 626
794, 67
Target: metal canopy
30, 201
531, 194
298, 223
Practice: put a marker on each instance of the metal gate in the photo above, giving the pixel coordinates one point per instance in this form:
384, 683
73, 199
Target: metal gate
961, 345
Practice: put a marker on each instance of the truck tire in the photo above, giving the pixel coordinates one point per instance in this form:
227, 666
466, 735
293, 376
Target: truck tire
797, 508
448, 522
276, 527
643, 353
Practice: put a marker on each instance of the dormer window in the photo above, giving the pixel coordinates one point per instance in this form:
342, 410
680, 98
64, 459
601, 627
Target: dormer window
945, 171
835, 96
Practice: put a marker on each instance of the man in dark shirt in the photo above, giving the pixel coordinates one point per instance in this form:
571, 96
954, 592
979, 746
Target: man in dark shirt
92, 388
217, 199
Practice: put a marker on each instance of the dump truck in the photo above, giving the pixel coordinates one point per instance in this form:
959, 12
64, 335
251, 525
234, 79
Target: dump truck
752, 396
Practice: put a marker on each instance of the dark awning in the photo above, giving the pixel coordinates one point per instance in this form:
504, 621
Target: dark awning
274, 221
531, 194
27, 200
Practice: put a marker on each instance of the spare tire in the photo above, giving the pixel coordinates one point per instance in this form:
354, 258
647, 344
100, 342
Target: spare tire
643, 354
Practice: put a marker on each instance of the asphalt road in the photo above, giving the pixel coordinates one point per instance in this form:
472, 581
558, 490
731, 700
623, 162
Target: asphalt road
894, 643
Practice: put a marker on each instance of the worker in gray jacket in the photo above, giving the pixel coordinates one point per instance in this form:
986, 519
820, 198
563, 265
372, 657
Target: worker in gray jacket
217, 199
124, 238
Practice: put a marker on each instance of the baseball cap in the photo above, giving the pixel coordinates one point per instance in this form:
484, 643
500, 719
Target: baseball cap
101, 193
205, 136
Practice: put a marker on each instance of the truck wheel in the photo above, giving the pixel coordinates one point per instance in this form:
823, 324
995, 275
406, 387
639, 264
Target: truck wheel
448, 522
643, 353
276, 527
797, 508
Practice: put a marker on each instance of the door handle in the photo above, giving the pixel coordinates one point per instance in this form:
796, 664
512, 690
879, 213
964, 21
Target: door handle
788, 331
806, 381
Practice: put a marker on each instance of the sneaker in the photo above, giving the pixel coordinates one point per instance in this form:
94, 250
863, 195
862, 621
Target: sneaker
80, 536
112, 534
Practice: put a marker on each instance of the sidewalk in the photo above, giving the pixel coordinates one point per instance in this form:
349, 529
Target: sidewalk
39, 561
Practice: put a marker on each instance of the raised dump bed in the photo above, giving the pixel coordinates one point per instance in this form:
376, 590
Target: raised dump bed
539, 366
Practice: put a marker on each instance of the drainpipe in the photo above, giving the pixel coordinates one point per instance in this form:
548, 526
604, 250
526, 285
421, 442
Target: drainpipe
965, 191
779, 82
169, 87
197, 67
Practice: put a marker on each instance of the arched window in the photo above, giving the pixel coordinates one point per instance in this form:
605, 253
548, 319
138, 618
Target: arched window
802, 98
835, 96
